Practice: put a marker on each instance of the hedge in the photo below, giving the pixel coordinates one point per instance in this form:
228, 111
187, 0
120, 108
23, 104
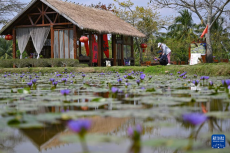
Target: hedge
42, 62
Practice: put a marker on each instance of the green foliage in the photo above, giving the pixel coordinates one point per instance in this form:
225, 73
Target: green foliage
5, 49
183, 27
24, 54
41, 62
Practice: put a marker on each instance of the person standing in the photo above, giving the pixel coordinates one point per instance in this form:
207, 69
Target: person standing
166, 50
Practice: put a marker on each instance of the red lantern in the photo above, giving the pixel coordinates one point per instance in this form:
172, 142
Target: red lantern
8, 37
85, 39
143, 46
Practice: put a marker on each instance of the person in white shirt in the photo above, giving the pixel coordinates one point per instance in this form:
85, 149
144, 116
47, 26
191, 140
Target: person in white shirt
166, 50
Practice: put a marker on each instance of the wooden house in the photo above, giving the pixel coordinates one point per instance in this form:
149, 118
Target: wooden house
52, 28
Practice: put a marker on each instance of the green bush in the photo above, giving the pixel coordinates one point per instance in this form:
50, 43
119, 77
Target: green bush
69, 62
6, 63
41, 62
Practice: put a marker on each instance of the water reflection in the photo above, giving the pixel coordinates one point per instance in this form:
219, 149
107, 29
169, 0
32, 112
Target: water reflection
47, 139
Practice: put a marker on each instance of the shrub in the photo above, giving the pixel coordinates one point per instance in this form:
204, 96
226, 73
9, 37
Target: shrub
42, 62
69, 62
6, 63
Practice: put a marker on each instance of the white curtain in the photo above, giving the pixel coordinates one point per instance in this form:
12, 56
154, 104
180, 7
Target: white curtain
61, 44
39, 36
66, 38
71, 44
56, 53
23, 36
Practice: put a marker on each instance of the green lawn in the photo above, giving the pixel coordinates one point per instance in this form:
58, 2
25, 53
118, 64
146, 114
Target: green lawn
214, 69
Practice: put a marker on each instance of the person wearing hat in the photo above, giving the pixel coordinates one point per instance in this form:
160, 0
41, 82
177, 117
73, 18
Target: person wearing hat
166, 50
163, 60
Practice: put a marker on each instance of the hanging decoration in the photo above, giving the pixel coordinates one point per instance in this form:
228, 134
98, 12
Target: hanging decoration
85, 39
95, 49
143, 46
105, 45
8, 37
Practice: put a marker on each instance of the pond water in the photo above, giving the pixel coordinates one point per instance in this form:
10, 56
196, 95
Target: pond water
33, 119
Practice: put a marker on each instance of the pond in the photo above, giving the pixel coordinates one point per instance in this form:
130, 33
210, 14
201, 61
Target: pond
174, 112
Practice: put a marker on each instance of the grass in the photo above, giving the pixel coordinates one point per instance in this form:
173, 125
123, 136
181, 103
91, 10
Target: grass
212, 69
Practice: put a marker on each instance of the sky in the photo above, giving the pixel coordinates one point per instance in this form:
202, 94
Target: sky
163, 12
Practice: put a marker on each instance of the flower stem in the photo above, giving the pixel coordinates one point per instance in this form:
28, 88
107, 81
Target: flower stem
84, 145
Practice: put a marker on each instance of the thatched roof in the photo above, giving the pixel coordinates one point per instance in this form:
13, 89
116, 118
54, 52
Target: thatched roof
90, 18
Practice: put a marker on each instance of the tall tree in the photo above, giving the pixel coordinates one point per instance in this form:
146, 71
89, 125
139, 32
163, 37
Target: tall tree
210, 9
183, 26
145, 19
8, 8
5, 49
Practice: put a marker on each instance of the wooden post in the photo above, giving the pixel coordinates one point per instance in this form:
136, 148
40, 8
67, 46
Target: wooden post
79, 48
122, 52
99, 50
132, 51
102, 51
90, 48
114, 51
52, 40
64, 43
75, 41
14, 43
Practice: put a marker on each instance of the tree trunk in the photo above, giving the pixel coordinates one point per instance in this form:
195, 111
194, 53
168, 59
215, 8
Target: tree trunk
140, 51
209, 57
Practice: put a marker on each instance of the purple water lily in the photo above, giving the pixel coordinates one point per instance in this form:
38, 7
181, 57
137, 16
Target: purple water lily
65, 92
138, 82
185, 77
55, 83
142, 76
64, 79
5, 76
195, 82
119, 80
150, 77
114, 89
52, 79
34, 81
204, 77
178, 72
125, 76
79, 126
226, 82
131, 131
29, 84
83, 75
195, 118
210, 83
73, 76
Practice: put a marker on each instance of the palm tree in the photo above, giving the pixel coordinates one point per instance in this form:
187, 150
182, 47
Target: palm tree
183, 27
220, 38
5, 49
